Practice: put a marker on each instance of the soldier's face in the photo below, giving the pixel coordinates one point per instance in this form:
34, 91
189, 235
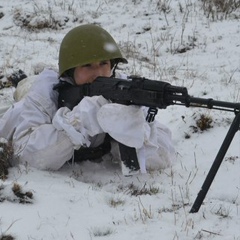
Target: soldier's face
89, 72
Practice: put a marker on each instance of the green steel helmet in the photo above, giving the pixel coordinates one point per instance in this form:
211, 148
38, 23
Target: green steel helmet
87, 44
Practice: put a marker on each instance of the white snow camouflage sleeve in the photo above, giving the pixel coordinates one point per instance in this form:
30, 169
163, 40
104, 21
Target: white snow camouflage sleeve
152, 140
81, 123
28, 123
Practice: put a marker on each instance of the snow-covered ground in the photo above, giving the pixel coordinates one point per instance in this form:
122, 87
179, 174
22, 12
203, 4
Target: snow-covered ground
172, 41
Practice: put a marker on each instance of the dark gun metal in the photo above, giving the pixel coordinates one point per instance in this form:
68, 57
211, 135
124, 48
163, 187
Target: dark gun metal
155, 95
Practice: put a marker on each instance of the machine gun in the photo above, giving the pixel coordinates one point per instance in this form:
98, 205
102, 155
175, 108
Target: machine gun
155, 95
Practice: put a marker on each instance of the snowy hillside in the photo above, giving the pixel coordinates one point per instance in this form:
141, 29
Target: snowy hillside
186, 43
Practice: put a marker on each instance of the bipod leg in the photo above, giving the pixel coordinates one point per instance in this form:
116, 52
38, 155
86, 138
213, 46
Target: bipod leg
216, 164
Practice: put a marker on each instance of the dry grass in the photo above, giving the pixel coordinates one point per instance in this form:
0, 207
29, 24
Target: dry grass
6, 155
220, 9
6, 237
204, 122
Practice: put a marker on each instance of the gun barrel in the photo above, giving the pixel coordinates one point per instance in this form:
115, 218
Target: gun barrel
179, 96
214, 104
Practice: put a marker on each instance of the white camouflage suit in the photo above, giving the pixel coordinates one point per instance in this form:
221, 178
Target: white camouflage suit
45, 137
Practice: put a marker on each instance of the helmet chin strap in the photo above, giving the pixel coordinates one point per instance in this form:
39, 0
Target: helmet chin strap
114, 69
69, 74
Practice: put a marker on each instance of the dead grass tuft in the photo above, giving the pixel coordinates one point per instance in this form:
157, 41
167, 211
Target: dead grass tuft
204, 122
6, 237
134, 190
24, 197
6, 156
